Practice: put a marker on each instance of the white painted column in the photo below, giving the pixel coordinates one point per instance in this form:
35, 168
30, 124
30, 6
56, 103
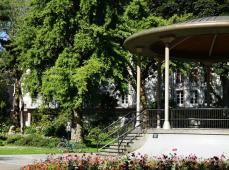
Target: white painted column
166, 122
138, 105
158, 93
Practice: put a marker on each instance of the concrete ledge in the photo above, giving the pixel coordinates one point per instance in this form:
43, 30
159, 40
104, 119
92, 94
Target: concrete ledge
201, 145
197, 131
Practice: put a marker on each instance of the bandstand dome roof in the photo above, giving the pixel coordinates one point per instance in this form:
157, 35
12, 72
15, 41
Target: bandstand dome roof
203, 39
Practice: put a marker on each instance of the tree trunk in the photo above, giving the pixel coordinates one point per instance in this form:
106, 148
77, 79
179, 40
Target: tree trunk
18, 107
210, 89
207, 75
77, 127
22, 122
22, 119
143, 97
143, 100
225, 84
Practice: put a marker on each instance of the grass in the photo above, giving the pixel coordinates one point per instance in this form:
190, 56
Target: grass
16, 150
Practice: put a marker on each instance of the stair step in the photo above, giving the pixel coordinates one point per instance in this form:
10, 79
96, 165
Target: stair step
107, 154
113, 151
116, 146
134, 134
136, 131
117, 149
124, 143
131, 137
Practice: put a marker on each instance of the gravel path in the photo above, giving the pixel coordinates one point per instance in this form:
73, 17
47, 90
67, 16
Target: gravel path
15, 162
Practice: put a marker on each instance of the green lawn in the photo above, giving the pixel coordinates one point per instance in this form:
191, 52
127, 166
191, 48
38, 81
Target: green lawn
14, 150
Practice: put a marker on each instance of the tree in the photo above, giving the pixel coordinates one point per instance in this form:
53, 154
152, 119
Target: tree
71, 48
138, 16
10, 12
199, 8
68, 47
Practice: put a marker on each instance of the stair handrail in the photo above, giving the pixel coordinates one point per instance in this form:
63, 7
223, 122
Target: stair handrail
118, 134
140, 130
99, 141
119, 119
123, 134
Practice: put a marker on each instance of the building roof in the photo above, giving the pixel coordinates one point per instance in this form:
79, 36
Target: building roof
203, 39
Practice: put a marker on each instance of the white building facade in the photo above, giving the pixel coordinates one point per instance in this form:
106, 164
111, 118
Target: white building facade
186, 91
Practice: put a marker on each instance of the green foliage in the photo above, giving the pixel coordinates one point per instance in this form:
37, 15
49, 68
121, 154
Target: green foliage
12, 139
200, 8
49, 124
134, 162
30, 130
69, 52
4, 13
221, 69
1, 143
4, 106
2, 137
32, 140
72, 48
2, 140
96, 134
204, 8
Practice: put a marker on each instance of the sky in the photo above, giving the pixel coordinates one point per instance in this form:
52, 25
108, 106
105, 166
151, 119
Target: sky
3, 36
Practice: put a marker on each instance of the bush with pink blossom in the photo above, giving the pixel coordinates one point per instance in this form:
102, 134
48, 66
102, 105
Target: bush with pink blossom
131, 162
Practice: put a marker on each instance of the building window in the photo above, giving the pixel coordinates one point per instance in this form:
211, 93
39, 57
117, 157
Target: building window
125, 99
205, 97
193, 97
180, 97
194, 76
179, 78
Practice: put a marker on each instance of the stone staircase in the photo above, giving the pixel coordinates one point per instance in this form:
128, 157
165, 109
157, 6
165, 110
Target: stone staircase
123, 146
125, 134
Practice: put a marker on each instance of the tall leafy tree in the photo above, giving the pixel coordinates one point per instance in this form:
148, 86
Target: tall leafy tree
73, 48
10, 13
68, 47
199, 8
138, 16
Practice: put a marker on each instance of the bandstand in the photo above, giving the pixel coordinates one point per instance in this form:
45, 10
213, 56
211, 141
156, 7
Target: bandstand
204, 40
200, 131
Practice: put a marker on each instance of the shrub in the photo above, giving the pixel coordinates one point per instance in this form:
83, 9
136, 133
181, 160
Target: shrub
134, 162
4, 127
51, 125
95, 134
3, 137
13, 138
79, 147
30, 130
24, 140
1, 143
33, 140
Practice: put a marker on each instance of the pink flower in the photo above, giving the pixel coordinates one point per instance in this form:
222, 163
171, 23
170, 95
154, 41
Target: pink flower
174, 149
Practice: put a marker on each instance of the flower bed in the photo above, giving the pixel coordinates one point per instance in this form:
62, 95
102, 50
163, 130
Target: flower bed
133, 162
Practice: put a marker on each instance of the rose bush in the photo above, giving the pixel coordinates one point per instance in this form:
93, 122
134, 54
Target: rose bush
131, 162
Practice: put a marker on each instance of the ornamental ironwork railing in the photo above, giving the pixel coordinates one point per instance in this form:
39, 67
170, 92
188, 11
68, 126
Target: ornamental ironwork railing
191, 118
